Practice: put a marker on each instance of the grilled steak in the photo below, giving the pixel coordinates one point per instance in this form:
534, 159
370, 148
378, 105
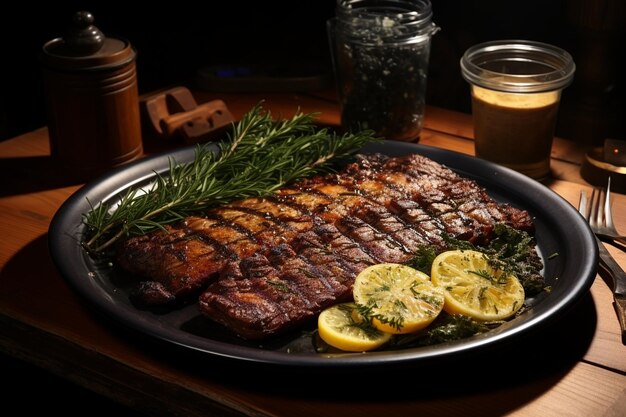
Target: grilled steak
265, 265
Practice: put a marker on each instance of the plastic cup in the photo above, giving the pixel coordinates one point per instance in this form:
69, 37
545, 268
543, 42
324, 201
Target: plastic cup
516, 88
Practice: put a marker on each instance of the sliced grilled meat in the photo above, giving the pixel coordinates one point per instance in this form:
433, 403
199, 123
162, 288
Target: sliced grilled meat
269, 264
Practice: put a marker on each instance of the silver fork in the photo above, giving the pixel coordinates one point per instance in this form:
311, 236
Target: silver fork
608, 264
600, 216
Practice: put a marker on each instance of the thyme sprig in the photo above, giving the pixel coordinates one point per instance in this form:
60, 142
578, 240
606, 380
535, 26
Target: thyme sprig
259, 156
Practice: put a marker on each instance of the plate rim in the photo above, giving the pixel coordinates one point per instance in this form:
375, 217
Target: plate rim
65, 226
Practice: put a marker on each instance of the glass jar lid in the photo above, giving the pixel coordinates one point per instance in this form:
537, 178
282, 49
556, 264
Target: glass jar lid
385, 21
517, 66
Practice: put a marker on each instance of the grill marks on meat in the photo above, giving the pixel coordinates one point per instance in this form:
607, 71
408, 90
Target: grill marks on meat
269, 264
297, 282
182, 259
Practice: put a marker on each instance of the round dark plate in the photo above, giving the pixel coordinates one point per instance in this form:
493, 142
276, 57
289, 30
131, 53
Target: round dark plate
560, 231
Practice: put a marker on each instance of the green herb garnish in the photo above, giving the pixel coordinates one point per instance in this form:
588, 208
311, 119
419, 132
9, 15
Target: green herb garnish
258, 157
511, 251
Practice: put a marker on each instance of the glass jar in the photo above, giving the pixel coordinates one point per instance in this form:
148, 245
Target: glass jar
380, 51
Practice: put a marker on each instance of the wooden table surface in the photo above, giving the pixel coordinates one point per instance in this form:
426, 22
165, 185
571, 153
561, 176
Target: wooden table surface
576, 367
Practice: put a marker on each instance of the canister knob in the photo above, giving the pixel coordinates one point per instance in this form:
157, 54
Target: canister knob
83, 38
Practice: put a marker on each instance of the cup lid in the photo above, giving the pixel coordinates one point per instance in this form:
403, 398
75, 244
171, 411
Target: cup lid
518, 66
84, 46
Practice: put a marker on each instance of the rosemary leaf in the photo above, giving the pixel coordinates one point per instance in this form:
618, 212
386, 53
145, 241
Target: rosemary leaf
258, 157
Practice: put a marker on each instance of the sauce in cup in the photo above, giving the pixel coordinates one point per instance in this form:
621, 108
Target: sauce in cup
515, 129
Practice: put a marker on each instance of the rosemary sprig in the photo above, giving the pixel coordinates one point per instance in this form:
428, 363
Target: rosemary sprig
259, 156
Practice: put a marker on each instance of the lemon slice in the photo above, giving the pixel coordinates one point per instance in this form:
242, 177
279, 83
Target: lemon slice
342, 326
475, 287
399, 299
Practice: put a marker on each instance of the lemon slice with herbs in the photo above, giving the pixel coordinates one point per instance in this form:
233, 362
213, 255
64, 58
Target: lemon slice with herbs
397, 298
476, 286
343, 327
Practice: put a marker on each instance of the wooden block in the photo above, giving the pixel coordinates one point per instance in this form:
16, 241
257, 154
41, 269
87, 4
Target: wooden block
175, 114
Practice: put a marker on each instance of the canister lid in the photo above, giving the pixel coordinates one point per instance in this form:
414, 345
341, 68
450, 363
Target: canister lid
84, 47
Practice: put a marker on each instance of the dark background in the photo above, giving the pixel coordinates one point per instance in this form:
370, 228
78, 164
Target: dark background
173, 42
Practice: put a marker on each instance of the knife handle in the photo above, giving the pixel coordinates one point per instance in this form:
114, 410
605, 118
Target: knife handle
620, 308
619, 285
617, 273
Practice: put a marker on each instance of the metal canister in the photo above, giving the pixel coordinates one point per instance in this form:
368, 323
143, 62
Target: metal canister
92, 98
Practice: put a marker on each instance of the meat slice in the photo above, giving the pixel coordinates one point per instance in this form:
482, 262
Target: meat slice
380, 246
277, 292
177, 260
345, 248
386, 222
252, 291
184, 258
265, 265
328, 262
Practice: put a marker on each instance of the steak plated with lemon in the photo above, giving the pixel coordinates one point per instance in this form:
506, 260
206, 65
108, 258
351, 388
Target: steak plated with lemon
262, 266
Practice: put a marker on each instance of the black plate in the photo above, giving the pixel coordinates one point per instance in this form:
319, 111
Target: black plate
559, 230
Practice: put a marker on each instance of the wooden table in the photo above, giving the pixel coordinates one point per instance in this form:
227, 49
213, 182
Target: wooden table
576, 367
